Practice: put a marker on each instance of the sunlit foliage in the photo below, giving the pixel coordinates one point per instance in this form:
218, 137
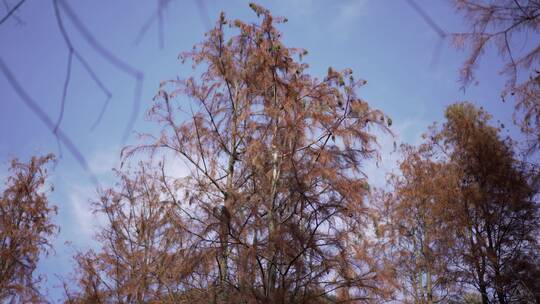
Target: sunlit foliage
25, 229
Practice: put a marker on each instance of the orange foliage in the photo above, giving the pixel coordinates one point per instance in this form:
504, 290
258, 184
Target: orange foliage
272, 210
25, 229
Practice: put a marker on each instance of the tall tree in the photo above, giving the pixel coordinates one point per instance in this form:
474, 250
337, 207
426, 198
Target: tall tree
272, 209
415, 216
146, 254
461, 213
496, 208
25, 230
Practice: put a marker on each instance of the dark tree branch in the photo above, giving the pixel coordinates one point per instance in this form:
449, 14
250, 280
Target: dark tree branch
427, 19
38, 111
113, 60
8, 8
64, 92
157, 15
16, 7
74, 52
436, 28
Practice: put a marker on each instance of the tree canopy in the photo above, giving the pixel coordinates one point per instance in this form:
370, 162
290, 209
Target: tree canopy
273, 208
275, 204
25, 230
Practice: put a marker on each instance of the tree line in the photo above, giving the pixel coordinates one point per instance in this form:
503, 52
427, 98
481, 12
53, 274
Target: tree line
276, 207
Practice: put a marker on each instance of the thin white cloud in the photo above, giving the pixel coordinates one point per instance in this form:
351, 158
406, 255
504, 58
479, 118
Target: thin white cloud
300, 8
336, 18
81, 218
103, 161
175, 166
406, 131
347, 14
84, 220
80, 194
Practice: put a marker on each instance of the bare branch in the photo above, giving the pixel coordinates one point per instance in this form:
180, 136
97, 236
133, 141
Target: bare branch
427, 19
36, 109
64, 91
74, 52
157, 15
113, 60
12, 11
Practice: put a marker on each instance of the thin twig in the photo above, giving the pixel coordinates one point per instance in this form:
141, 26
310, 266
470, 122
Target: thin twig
16, 7
144, 28
101, 113
73, 52
113, 60
513, 78
157, 15
440, 32
68, 72
19, 21
520, 8
64, 91
427, 18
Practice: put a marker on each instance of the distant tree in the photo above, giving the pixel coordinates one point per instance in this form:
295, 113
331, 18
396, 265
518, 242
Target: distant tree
460, 214
272, 210
513, 27
146, 254
498, 216
416, 216
25, 230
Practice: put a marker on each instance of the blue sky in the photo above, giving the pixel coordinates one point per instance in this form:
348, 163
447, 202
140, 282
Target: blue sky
385, 42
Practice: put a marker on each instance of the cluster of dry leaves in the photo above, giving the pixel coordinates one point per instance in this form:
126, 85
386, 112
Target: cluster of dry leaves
276, 208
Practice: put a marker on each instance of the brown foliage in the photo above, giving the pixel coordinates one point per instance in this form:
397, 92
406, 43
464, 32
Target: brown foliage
415, 216
25, 229
146, 254
272, 211
498, 213
462, 214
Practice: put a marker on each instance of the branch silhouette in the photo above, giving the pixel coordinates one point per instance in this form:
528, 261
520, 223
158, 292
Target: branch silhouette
73, 52
14, 16
433, 25
427, 19
113, 60
157, 15
12, 11
38, 111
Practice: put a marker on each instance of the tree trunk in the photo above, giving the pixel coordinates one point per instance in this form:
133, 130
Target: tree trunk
223, 291
271, 267
483, 293
498, 286
427, 257
225, 216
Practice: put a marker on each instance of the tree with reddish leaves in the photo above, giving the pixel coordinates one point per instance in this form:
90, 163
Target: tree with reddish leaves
146, 254
462, 214
414, 217
25, 230
496, 209
273, 208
